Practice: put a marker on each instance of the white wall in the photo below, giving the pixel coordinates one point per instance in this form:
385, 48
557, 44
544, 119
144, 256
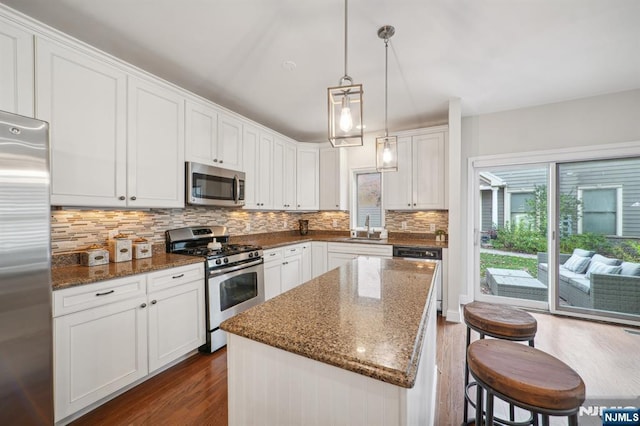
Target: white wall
599, 120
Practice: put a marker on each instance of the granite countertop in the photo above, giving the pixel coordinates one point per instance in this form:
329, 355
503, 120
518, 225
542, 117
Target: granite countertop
279, 239
366, 316
74, 275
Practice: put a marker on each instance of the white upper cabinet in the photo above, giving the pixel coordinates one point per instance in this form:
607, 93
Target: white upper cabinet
84, 99
419, 183
258, 166
229, 147
284, 175
278, 172
308, 175
16, 69
155, 150
334, 183
201, 133
265, 170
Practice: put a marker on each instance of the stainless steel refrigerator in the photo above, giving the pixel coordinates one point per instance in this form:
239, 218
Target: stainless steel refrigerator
26, 373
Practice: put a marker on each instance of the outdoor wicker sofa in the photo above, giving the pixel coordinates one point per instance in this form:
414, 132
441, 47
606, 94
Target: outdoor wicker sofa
614, 292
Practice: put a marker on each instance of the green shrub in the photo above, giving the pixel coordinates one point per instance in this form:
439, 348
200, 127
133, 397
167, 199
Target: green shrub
520, 238
627, 250
586, 241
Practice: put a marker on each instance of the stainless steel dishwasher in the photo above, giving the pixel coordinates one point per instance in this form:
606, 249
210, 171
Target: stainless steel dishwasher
423, 253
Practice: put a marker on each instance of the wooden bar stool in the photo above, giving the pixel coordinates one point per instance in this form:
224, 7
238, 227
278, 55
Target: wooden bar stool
525, 377
500, 322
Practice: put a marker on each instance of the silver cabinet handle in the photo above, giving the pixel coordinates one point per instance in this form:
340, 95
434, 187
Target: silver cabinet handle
122, 197
144, 305
133, 198
178, 276
153, 302
105, 293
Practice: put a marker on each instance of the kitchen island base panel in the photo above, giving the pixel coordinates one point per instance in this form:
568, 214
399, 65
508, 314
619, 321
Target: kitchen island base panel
268, 385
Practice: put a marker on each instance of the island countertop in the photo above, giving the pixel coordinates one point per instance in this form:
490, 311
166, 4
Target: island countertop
366, 316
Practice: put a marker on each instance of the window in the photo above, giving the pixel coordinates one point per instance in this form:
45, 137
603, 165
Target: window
520, 207
599, 207
368, 199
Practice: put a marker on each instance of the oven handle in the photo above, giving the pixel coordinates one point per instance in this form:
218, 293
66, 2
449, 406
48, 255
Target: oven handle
223, 271
236, 180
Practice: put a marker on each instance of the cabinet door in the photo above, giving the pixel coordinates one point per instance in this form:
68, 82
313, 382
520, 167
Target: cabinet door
155, 150
251, 161
16, 69
97, 352
201, 133
334, 183
265, 174
335, 260
308, 172
398, 185
176, 322
84, 100
428, 171
306, 263
289, 176
277, 175
291, 272
272, 279
229, 142
318, 258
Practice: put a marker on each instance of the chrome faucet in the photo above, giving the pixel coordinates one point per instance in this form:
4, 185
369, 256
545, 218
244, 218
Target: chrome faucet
366, 223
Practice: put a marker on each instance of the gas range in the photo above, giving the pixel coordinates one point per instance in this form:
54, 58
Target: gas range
211, 242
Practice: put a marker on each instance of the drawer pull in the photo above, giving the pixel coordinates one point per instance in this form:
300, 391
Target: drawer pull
272, 254
178, 276
105, 293
153, 302
144, 305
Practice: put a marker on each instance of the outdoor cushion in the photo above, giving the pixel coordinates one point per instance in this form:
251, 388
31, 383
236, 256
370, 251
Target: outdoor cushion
582, 284
630, 268
602, 268
583, 253
605, 260
566, 274
542, 266
577, 264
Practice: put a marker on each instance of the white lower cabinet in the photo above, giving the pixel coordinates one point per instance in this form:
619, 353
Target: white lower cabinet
286, 268
340, 253
113, 333
318, 258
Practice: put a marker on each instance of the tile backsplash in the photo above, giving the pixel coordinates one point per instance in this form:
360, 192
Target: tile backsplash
75, 229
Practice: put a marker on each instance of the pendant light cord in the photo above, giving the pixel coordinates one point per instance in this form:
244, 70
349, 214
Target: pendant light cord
386, 67
346, 11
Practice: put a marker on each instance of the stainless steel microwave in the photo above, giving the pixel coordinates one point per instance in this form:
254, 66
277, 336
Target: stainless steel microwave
214, 186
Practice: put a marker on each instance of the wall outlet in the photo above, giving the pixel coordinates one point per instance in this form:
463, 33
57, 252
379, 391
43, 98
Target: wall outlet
432, 227
285, 224
113, 233
404, 224
247, 227
335, 223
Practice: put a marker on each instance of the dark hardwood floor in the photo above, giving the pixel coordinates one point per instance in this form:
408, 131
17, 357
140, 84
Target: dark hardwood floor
194, 392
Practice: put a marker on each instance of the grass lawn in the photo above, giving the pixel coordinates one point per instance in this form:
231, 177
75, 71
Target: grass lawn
488, 260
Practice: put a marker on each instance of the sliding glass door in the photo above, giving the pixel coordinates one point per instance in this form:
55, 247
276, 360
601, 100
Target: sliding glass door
512, 229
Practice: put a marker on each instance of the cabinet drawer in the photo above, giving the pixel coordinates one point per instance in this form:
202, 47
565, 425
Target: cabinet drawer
273, 255
295, 250
168, 278
361, 249
91, 295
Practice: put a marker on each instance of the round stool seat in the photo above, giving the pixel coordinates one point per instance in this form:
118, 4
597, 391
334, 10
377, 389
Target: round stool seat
526, 375
500, 321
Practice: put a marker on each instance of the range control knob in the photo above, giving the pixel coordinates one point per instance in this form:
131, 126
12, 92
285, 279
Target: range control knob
250, 254
218, 261
226, 260
255, 254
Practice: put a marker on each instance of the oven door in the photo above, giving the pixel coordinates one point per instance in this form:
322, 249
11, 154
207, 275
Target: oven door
234, 290
214, 186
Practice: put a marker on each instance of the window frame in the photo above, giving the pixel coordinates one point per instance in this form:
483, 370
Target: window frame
507, 202
353, 211
619, 209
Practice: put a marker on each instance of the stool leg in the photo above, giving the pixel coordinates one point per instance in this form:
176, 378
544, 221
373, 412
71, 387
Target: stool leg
531, 343
478, 405
466, 378
545, 420
573, 420
512, 412
489, 417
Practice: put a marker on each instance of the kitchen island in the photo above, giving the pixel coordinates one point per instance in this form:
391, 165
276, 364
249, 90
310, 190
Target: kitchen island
355, 345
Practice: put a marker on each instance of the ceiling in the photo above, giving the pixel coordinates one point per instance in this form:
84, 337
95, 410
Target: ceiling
493, 54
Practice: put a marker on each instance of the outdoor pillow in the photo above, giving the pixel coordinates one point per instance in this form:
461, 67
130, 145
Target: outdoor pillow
602, 268
605, 260
583, 253
577, 264
630, 268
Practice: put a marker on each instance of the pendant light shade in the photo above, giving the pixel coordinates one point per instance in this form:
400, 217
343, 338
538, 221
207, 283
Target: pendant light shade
386, 146
345, 105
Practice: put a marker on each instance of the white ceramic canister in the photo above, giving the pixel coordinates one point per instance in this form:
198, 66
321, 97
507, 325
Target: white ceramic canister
94, 255
141, 248
120, 248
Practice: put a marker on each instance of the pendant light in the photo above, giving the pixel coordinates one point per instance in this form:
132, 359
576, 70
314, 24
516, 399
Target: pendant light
345, 105
386, 146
